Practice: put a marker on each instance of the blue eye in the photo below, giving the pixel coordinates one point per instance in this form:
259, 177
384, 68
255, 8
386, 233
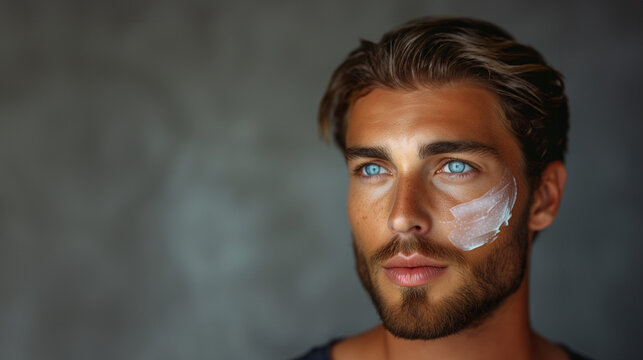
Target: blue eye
372, 169
457, 167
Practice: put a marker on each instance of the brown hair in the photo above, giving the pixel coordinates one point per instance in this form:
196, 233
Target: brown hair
436, 51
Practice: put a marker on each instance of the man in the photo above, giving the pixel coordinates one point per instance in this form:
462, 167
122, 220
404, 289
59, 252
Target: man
454, 135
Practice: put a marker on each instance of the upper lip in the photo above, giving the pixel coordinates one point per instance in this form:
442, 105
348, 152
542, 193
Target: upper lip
411, 261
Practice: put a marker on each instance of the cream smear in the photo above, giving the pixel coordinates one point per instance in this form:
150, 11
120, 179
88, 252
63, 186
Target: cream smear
477, 222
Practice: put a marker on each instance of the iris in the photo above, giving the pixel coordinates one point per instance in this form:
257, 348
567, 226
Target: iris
372, 169
458, 167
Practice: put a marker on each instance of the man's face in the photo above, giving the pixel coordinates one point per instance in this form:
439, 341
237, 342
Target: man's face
412, 157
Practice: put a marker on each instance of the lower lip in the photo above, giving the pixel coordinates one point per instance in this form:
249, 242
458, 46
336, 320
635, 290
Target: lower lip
417, 276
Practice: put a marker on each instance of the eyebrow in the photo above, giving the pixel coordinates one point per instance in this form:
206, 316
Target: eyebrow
436, 148
467, 146
377, 152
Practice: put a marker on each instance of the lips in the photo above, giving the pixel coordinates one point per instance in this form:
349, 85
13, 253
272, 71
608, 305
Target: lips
413, 270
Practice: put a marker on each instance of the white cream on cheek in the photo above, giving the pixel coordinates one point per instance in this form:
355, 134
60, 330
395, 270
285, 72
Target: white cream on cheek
477, 222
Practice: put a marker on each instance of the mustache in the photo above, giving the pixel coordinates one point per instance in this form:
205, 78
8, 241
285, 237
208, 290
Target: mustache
411, 244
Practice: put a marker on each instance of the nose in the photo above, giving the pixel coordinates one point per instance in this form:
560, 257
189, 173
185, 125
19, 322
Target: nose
409, 214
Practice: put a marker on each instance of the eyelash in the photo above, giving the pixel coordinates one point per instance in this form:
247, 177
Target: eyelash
458, 175
358, 170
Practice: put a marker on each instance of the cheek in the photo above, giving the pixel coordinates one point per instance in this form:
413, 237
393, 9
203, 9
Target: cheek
478, 221
464, 215
368, 211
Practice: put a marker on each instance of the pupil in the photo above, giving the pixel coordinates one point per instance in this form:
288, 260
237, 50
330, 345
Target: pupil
456, 166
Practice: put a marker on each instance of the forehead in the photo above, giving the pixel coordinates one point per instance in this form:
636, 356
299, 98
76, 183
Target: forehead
454, 112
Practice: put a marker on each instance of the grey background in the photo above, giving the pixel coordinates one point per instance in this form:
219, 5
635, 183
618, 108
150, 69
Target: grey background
164, 193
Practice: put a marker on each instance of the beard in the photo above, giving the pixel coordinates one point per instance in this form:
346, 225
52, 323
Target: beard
484, 288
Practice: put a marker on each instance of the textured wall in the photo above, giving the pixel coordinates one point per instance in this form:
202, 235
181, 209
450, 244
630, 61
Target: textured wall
164, 194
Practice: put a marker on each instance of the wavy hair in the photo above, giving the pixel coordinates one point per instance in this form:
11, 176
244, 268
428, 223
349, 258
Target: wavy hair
430, 52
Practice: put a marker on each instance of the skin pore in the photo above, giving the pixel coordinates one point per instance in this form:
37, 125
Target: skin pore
412, 156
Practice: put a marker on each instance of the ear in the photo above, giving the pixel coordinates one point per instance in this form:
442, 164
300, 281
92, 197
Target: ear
546, 199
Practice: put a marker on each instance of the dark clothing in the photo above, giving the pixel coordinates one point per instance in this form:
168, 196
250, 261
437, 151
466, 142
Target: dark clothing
573, 355
323, 352
319, 352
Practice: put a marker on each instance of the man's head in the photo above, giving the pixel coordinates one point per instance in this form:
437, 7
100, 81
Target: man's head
454, 136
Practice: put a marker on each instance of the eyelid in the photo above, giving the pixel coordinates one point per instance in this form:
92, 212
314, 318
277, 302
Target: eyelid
357, 170
445, 162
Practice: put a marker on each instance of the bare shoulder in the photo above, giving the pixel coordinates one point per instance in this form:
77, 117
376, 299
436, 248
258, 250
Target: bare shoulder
367, 345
